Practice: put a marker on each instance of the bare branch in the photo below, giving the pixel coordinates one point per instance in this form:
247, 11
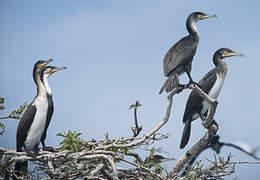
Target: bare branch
106, 157
142, 167
136, 130
150, 133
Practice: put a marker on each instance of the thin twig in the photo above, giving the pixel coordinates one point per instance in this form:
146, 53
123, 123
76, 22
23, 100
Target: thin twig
136, 130
150, 133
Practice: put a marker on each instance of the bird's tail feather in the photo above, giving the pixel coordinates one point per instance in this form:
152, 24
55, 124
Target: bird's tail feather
185, 134
21, 168
171, 83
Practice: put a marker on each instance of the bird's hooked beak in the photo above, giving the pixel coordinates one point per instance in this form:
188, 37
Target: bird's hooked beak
42, 65
208, 16
55, 69
229, 54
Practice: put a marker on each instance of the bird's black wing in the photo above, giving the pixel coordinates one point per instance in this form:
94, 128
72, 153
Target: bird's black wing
24, 126
194, 103
49, 115
208, 81
180, 53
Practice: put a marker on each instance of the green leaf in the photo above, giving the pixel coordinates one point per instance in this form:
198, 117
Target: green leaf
2, 100
2, 125
60, 134
152, 151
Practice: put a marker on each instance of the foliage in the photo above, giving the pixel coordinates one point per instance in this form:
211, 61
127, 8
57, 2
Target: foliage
154, 161
16, 114
71, 141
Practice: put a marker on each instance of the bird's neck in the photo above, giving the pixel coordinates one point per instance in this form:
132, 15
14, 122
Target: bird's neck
191, 27
46, 84
219, 63
40, 86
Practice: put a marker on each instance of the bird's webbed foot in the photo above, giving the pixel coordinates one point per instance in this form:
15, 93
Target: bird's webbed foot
48, 148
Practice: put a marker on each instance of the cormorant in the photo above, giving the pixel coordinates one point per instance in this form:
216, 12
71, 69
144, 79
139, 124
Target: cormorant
31, 125
179, 57
211, 84
45, 74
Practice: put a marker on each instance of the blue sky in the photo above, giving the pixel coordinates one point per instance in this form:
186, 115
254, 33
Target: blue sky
114, 52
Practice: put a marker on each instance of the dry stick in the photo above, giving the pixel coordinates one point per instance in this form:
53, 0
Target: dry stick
205, 140
106, 157
5, 117
244, 162
136, 130
135, 155
12, 115
96, 170
93, 177
142, 167
149, 134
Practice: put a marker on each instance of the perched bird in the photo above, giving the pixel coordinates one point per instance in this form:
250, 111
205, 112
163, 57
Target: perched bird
32, 123
45, 74
211, 84
179, 57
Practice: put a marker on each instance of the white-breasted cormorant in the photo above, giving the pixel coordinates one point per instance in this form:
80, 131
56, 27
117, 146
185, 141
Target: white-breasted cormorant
211, 84
31, 125
179, 57
45, 74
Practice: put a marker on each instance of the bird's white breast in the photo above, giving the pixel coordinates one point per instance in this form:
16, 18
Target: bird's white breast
214, 92
36, 130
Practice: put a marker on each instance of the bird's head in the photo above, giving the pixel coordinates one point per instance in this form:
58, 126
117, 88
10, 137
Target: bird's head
225, 52
39, 65
49, 70
197, 16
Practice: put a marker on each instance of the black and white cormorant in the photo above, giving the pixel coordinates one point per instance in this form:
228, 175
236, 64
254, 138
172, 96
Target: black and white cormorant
211, 84
32, 123
45, 74
179, 57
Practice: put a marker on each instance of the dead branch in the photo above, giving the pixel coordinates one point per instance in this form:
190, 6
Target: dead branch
137, 129
116, 144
